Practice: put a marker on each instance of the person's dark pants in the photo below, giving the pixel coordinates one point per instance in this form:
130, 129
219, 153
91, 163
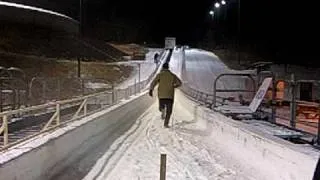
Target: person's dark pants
316, 175
168, 104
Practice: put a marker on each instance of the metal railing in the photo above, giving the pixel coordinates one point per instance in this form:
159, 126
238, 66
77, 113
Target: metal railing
215, 90
204, 98
290, 116
82, 106
56, 119
61, 112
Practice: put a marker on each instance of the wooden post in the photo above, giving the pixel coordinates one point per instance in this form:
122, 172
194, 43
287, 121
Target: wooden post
58, 114
85, 109
163, 164
293, 102
79, 67
139, 65
273, 101
6, 131
113, 94
135, 86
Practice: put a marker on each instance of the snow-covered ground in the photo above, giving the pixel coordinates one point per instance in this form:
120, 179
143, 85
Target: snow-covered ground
191, 151
195, 149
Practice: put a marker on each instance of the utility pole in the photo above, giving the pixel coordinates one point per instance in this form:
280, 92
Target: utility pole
80, 32
239, 33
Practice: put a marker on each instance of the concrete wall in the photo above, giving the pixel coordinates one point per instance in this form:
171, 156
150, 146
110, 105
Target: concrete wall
50, 159
26, 16
273, 156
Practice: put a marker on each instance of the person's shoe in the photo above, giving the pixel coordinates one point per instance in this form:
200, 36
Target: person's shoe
166, 126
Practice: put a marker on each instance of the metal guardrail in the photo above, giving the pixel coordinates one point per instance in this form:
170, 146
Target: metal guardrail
100, 100
215, 90
201, 97
293, 84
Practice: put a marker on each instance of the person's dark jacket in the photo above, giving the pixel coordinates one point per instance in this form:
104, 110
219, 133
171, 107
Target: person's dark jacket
167, 83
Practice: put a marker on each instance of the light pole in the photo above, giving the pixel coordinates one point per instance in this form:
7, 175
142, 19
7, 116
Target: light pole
80, 32
217, 30
217, 5
80, 17
239, 34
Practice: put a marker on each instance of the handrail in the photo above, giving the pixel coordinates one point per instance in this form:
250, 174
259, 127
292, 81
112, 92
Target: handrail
32, 108
82, 102
249, 75
198, 94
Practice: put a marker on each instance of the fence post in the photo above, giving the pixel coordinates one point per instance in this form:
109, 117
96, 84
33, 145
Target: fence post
85, 108
135, 86
293, 102
273, 101
6, 131
19, 98
113, 94
127, 92
163, 164
58, 114
139, 77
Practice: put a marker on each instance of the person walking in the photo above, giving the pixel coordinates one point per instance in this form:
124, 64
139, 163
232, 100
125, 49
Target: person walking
167, 81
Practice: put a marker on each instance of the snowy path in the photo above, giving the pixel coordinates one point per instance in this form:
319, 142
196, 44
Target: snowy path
192, 152
146, 69
190, 149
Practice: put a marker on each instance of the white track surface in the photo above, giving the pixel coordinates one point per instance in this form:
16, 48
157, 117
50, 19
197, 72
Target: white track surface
192, 152
146, 69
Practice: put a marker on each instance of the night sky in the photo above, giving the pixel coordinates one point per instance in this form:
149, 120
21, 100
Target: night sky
285, 26
283, 29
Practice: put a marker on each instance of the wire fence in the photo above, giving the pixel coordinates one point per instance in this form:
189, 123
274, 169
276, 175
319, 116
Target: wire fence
24, 123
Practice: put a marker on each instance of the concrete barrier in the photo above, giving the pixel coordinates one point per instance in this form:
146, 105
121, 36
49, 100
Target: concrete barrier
275, 157
49, 156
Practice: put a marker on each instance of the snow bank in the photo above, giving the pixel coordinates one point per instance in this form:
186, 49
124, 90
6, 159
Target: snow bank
274, 157
204, 145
